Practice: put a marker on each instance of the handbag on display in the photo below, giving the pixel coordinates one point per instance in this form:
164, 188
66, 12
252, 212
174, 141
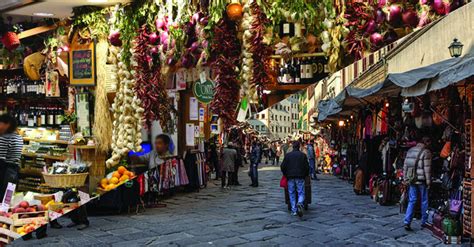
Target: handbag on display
437, 220
447, 181
283, 182
457, 158
455, 204
446, 150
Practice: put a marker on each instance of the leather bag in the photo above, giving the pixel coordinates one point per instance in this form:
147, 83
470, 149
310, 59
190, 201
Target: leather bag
446, 150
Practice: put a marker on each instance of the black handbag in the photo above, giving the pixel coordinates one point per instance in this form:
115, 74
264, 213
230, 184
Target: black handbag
447, 181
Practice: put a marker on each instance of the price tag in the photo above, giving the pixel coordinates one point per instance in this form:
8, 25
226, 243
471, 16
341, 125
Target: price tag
54, 215
58, 196
181, 79
195, 74
84, 197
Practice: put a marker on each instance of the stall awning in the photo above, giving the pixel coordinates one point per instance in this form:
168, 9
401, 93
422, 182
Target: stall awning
409, 84
434, 77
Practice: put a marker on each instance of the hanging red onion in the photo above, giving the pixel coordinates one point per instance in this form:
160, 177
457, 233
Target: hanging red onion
395, 15
441, 7
161, 24
410, 18
382, 3
114, 38
194, 46
164, 38
371, 27
153, 38
154, 50
376, 39
379, 16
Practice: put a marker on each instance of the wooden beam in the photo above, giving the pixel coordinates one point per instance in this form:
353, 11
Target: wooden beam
36, 31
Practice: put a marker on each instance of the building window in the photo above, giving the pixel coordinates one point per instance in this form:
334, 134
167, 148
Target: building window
263, 116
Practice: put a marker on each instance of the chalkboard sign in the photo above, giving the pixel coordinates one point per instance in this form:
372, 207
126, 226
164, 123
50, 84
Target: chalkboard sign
82, 63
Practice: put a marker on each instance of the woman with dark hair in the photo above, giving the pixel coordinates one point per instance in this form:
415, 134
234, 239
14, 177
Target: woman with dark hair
11, 145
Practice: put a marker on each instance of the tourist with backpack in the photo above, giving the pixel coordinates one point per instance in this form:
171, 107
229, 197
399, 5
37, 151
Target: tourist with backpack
417, 176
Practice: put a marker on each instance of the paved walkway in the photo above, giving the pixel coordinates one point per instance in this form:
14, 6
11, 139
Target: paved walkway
247, 216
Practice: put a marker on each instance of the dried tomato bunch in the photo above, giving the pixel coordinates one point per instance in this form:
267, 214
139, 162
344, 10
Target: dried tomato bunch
226, 57
150, 87
260, 51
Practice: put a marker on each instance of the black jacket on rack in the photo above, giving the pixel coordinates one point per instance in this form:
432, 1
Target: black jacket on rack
192, 171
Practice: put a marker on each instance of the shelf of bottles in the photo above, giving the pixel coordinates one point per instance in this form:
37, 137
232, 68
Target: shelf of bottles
26, 100
302, 69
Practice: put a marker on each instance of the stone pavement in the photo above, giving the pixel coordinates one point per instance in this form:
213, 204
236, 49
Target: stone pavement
245, 216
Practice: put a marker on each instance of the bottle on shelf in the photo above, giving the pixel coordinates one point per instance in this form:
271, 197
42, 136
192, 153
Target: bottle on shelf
297, 66
309, 71
287, 29
304, 63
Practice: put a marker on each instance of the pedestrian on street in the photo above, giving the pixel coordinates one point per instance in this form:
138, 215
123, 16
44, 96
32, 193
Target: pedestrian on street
295, 168
228, 158
213, 157
273, 153
237, 165
278, 153
311, 159
417, 175
255, 159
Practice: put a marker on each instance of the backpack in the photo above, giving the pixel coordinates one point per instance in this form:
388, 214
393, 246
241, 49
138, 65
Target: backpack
411, 171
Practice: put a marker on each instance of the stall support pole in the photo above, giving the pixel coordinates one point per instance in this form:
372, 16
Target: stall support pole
472, 167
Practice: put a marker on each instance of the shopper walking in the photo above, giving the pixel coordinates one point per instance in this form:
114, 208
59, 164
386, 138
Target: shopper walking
417, 175
238, 163
228, 158
213, 157
278, 153
255, 159
273, 152
295, 168
11, 145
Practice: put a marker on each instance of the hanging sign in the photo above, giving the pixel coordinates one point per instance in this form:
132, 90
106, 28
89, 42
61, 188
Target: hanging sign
82, 63
204, 91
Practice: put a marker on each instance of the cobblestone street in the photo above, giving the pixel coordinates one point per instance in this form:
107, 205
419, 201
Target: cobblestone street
246, 216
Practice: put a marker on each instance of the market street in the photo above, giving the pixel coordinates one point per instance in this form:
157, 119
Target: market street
249, 217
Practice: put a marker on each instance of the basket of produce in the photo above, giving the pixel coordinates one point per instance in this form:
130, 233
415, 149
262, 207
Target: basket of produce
65, 180
66, 174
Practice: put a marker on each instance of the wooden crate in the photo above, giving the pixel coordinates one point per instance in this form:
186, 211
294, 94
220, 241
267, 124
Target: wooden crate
7, 235
21, 219
63, 208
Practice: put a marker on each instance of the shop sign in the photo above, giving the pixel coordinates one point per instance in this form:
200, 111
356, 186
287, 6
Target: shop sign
204, 91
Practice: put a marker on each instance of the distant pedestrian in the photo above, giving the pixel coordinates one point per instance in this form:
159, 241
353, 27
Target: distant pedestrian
295, 168
278, 153
238, 163
417, 175
255, 159
273, 153
228, 158
311, 159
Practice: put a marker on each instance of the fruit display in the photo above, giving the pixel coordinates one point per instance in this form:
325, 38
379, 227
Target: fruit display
118, 177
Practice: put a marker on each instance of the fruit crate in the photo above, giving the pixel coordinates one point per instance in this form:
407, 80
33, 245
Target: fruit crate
7, 231
63, 207
20, 219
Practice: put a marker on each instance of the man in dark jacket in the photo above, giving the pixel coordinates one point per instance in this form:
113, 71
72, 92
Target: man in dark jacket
295, 168
255, 159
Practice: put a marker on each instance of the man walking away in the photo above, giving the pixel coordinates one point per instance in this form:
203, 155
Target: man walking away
255, 158
417, 175
295, 168
229, 156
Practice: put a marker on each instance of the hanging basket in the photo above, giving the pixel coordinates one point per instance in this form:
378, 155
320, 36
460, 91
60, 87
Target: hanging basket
10, 40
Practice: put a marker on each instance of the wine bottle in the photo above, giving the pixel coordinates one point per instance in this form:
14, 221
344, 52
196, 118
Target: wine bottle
309, 71
297, 71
